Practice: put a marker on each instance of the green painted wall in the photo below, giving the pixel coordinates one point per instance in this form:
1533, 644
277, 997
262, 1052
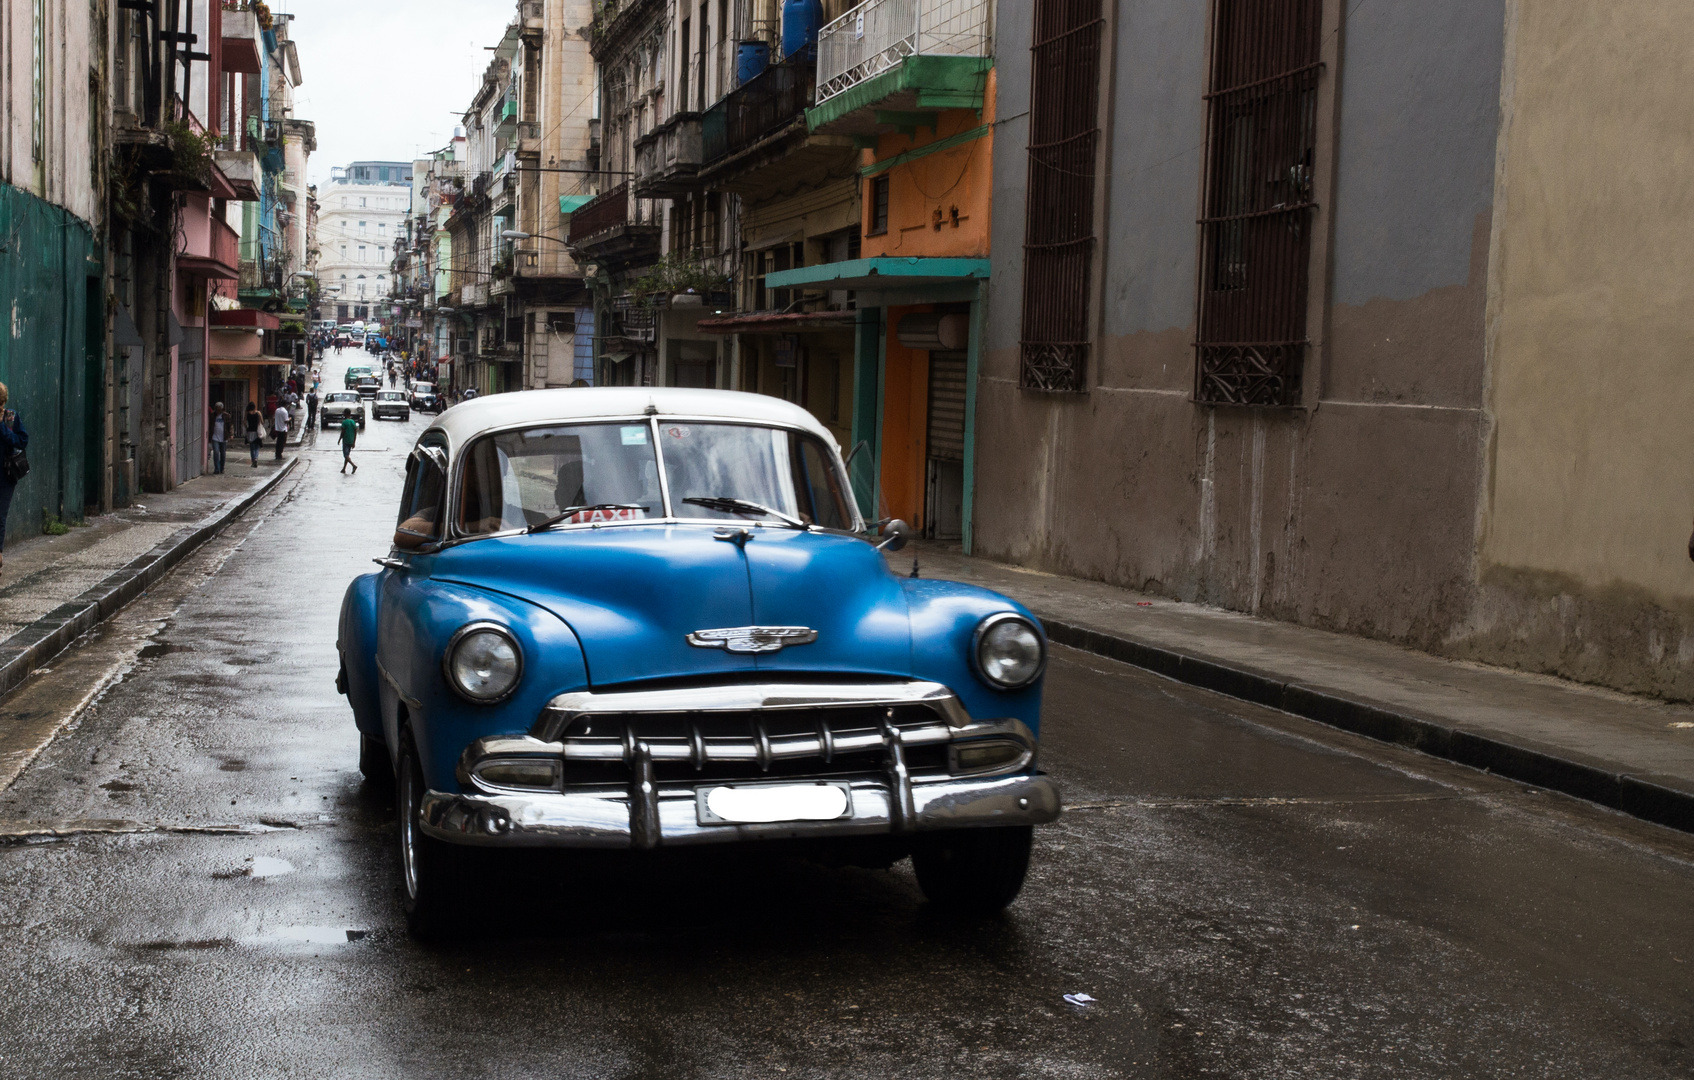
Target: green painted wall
46, 258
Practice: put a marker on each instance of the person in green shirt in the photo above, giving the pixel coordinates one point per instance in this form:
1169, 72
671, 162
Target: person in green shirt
349, 432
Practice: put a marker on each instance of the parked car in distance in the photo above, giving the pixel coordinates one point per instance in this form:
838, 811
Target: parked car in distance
339, 405
423, 397
368, 386
643, 618
354, 374
391, 403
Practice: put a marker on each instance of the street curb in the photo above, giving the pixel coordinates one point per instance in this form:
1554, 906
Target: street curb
47, 636
1661, 800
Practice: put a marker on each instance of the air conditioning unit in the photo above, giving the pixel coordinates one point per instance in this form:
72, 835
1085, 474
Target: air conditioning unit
462, 346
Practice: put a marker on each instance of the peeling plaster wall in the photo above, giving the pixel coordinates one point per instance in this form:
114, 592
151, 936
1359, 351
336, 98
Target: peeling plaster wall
1584, 569
1359, 514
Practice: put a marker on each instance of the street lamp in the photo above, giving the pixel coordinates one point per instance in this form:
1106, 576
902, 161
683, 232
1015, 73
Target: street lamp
515, 234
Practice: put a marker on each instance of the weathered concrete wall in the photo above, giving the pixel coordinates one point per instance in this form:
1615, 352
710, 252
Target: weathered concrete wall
61, 173
1584, 567
1358, 514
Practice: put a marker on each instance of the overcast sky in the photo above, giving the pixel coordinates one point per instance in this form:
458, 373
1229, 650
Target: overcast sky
386, 79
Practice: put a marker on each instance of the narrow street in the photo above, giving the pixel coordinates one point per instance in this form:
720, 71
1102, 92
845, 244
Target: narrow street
198, 883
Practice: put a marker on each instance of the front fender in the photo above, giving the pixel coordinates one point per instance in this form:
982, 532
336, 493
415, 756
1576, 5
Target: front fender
944, 617
355, 640
418, 617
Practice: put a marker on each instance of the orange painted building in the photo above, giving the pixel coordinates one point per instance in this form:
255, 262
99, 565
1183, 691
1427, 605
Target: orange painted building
925, 132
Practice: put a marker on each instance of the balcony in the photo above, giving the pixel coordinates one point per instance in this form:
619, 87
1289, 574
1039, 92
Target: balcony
506, 118
241, 169
211, 249
606, 228
885, 60
667, 159
242, 46
534, 17
755, 142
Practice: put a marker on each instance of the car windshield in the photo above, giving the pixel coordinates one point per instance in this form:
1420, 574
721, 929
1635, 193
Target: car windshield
344, 397
782, 471
609, 472
389, 395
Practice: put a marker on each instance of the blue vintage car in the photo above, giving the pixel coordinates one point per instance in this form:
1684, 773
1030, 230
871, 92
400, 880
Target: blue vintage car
645, 618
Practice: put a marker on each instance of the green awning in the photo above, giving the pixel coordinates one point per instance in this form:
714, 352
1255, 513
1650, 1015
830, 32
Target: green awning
879, 273
569, 204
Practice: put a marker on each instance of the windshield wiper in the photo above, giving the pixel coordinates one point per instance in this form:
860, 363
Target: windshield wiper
571, 511
742, 506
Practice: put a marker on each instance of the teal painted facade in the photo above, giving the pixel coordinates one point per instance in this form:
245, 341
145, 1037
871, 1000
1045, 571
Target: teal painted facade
52, 349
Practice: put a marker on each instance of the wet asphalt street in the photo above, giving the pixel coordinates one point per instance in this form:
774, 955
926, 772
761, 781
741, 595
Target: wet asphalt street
1243, 894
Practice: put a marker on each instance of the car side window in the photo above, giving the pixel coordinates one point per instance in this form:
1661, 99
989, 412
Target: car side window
422, 500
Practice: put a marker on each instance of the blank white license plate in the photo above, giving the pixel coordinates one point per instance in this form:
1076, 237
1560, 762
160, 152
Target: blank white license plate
759, 804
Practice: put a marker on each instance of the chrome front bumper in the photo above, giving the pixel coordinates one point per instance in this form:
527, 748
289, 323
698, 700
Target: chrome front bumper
648, 810
612, 820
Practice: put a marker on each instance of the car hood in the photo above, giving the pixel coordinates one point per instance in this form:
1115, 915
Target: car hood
633, 594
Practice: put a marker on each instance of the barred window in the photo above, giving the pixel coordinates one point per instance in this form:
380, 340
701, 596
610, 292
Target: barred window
1058, 246
1255, 237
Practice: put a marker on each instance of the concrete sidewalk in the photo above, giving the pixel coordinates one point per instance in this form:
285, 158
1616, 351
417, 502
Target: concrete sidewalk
1632, 754
56, 588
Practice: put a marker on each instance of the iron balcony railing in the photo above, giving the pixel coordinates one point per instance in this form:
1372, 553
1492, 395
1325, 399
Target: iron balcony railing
778, 95
878, 35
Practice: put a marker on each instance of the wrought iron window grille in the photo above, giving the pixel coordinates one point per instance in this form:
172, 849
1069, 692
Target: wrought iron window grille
1058, 248
1255, 237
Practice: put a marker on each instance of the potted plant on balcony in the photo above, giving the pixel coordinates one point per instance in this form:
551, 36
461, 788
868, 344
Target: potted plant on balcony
680, 278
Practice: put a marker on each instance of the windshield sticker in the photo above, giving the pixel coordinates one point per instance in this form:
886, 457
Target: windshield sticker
634, 436
584, 517
677, 431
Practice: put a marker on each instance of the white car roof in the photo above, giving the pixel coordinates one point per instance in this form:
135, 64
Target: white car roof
467, 419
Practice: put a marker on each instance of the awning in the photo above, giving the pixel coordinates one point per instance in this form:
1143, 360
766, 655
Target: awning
777, 322
879, 273
570, 204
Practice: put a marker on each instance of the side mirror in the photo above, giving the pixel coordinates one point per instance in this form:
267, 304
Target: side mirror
895, 533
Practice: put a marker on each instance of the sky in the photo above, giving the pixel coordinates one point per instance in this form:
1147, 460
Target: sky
387, 80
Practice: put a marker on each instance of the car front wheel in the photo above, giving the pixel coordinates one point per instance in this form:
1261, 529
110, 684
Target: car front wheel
973, 871
429, 871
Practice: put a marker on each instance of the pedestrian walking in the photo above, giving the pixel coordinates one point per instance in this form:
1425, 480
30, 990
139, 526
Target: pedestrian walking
13, 464
279, 427
312, 406
254, 421
349, 433
218, 436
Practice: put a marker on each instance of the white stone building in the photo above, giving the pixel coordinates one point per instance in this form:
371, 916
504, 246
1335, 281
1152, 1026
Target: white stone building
362, 209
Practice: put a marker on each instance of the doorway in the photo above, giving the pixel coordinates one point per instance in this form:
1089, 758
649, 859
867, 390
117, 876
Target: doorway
944, 472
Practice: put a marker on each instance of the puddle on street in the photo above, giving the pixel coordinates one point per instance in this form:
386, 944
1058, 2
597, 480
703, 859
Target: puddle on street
311, 935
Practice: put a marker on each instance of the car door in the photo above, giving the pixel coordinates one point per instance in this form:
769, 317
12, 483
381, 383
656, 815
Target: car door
403, 642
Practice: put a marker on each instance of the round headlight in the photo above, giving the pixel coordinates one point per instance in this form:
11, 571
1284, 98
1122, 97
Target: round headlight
1010, 652
483, 663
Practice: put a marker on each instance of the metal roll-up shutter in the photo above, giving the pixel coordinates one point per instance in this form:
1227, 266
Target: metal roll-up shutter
947, 405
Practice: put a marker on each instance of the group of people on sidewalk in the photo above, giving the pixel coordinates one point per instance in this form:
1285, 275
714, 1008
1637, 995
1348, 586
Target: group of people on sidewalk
284, 410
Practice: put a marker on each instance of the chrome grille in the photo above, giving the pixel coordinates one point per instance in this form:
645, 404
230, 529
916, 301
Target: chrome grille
601, 749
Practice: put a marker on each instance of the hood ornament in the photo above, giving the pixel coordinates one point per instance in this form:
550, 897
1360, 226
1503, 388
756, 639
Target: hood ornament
753, 639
